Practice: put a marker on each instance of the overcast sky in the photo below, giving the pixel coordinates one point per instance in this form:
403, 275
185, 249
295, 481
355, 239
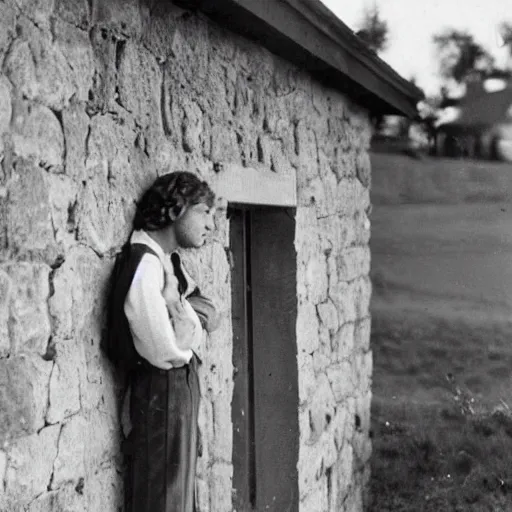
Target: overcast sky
412, 24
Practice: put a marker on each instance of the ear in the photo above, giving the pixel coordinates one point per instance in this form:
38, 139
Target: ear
176, 212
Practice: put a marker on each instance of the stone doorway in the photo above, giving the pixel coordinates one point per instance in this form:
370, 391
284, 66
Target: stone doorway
265, 398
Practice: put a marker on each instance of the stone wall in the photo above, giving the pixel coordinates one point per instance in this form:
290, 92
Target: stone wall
96, 100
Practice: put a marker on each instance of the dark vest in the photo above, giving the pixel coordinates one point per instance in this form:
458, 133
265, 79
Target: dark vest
119, 345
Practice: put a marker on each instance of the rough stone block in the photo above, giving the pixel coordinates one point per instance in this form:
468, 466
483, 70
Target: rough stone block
306, 375
328, 315
363, 297
73, 11
321, 191
99, 388
38, 136
354, 499
66, 293
362, 334
222, 442
7, 27
103, 489
307, 241
344, 163
353, 262
64, 390
364, 168
307, 327
322, 407
363, 370
5, 103
316, 499
123, 16
361, 229
339, 426
102, 204
188, 57
39, 11
23, 395
102, 437
29, 323
298, 105
203, 495
343, 342
205, 422
76, 128
3, 469
316, 279
63, 192
139, 83
352, 299
342, 379
243, 100
220, 481
280, 162
348, 197
158, 25
321, 99
343, 474
67, 499
224, 146
30, 464
218, 377
69, 465
30, 230
76, 47
38, 69
322, 357
105, 45
108, 145
5, 299
78, 302
342, 232
309, 467
192, 127
307, 151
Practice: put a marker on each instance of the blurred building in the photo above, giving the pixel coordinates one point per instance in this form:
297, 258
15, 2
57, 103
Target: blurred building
479, 124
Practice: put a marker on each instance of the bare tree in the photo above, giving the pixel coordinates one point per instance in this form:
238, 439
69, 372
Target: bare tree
374, 30
460, 54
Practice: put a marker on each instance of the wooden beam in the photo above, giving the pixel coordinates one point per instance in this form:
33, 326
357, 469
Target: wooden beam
246, 185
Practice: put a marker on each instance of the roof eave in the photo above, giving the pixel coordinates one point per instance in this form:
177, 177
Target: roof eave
310, 35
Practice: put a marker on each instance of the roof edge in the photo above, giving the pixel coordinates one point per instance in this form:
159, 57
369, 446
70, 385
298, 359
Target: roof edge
326, 21
310, 35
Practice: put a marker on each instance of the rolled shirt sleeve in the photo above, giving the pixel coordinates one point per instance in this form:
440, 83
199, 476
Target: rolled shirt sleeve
152, 330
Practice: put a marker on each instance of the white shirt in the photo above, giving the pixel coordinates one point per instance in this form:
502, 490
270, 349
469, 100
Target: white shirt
145, 308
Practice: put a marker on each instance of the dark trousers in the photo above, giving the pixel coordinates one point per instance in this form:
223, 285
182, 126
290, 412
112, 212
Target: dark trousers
162, 446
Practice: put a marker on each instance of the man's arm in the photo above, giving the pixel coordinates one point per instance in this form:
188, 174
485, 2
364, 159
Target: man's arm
155, 334
205, 310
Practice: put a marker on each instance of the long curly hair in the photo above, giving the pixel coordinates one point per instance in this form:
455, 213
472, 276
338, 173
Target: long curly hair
170, 194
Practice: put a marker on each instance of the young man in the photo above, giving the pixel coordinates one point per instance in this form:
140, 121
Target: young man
165, 314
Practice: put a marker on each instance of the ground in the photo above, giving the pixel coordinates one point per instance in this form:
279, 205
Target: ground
441, 335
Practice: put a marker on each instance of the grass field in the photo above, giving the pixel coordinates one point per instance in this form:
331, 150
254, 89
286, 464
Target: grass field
441, 336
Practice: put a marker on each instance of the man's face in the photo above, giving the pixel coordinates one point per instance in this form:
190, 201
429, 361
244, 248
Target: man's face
193, 225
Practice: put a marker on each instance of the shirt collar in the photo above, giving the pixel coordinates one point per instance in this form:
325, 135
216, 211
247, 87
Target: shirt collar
141, 237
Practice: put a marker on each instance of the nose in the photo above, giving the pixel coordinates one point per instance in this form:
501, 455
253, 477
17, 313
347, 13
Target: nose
210, 223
